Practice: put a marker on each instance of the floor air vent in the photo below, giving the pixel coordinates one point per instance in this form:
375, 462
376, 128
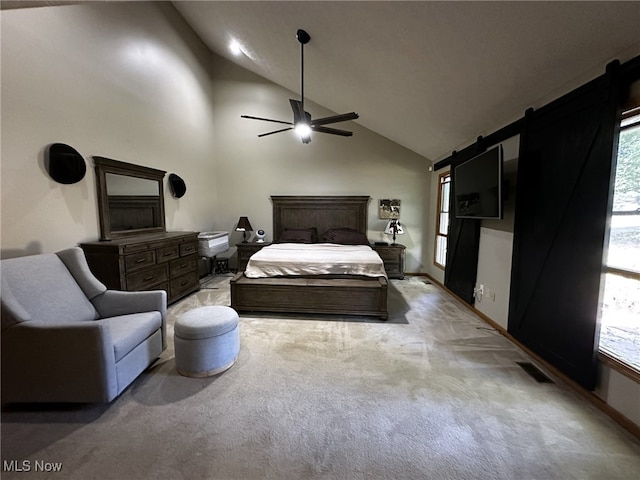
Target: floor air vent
534, 372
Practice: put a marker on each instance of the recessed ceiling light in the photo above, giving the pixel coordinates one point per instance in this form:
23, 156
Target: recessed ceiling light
235, 47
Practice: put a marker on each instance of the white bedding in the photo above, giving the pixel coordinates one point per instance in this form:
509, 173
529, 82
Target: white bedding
314, 259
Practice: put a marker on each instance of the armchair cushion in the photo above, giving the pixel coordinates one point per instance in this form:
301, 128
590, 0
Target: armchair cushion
114, 303
10, 309
129, 331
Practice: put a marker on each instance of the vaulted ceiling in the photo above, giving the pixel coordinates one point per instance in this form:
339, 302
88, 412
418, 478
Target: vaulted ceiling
431, 76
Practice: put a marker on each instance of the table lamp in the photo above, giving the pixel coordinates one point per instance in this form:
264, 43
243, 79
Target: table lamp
244, 226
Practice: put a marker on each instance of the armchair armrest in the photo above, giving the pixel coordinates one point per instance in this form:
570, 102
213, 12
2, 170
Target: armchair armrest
11, 312
115, 302
61, 362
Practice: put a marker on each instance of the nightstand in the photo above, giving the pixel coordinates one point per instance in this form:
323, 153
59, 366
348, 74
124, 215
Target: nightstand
393, 258
245, 250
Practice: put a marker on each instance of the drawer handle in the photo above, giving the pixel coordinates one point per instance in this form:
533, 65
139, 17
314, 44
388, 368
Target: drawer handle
184, 282
141, 260
169, 253
151, 277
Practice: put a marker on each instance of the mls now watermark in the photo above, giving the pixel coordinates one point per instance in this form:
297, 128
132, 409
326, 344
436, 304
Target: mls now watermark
30, 466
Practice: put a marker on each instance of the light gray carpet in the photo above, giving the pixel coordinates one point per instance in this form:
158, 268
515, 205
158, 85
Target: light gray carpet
432, 394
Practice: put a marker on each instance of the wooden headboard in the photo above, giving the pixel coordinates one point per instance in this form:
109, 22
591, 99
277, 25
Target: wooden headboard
320, 211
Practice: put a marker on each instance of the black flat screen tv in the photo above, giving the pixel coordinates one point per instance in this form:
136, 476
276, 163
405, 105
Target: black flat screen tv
477, 186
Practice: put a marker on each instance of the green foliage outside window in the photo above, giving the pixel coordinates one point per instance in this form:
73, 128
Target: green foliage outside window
627, 185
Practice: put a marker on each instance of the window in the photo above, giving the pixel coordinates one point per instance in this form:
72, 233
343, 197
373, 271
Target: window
442, 221
620, 319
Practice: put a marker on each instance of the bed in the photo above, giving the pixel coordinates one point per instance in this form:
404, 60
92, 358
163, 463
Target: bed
341, 292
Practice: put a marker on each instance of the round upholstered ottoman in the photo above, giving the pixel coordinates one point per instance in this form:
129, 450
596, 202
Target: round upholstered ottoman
206, 340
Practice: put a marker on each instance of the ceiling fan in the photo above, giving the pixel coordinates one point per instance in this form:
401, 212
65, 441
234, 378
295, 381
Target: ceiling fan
302, 121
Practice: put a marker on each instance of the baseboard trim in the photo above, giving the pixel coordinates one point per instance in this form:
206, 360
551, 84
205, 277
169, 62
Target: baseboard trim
598, 402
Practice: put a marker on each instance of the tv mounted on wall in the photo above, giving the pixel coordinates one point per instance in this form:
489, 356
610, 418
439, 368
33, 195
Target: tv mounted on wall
477, 186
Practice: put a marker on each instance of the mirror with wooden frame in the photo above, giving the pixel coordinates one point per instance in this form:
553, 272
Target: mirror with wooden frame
130, 199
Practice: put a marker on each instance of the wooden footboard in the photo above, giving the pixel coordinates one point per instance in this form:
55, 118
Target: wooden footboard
348, 296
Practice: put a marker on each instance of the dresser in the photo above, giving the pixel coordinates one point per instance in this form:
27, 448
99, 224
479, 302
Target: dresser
393, 258
157, 261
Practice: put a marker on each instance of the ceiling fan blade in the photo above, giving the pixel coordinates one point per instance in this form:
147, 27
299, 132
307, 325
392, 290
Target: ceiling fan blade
265, 119
299, 115
335, 118
275, 131
332, 131
301, 119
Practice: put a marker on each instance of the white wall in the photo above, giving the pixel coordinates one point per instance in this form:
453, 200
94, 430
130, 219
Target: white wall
496, 246
619, 391
131, 81
496, 243
251, 169
124, 81
494, 268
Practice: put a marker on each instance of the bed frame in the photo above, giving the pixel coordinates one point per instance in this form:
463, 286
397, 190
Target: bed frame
327, 295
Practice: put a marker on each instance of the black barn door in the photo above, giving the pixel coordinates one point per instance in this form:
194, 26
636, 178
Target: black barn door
462, 257
564, 175
463, 244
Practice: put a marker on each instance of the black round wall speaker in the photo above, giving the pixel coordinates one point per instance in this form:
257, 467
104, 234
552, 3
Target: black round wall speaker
64, 164
178, 187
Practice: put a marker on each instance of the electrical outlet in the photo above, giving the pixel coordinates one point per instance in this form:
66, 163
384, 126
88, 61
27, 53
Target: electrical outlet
492, 296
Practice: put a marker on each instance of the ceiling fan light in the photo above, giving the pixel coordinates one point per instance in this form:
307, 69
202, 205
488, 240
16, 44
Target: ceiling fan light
304, 131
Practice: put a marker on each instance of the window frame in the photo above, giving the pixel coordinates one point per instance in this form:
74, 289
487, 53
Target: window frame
441, 238
608, 356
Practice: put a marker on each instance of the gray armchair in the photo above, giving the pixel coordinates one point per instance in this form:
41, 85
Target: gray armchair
66, 338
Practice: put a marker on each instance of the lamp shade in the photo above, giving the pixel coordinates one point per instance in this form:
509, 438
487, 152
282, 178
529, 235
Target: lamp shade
244, 225
394, 228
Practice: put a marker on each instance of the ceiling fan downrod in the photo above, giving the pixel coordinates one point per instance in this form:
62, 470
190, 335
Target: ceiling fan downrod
303, 126
303, 37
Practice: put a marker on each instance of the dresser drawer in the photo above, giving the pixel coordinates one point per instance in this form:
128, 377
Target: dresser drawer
182, 265
166, 254
184, 283
147, 278
138, 261
188, 249
160, 286
136, 247
388, 255
392, 268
